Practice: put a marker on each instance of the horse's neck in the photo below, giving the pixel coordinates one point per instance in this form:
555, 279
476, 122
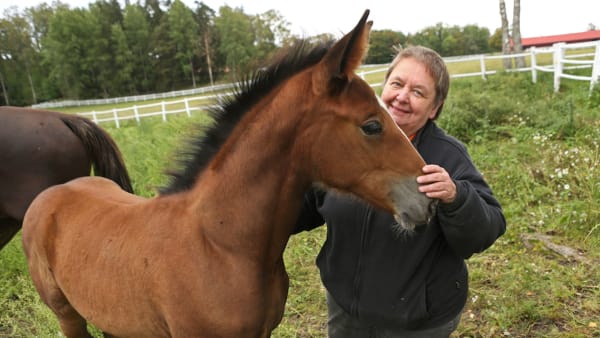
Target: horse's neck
252, 196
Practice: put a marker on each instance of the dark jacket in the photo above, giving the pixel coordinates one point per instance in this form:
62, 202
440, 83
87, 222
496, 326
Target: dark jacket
407, 280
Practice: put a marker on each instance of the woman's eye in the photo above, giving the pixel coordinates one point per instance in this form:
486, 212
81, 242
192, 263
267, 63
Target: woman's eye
372, 128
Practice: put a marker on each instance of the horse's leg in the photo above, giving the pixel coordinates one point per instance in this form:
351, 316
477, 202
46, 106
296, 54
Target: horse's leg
8, 228
74, 326
71, 322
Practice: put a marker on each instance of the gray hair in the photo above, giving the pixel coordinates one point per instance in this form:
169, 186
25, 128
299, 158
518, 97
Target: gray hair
435, 65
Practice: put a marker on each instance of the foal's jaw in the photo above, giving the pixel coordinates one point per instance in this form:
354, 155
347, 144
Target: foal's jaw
411, 208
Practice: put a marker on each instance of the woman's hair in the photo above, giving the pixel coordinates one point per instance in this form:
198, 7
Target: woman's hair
435, 65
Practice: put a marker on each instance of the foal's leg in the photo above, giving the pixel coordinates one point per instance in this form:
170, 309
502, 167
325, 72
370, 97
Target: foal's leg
8, 228
74, 327
71, 322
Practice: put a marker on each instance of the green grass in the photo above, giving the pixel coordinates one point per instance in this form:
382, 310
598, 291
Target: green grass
540, 152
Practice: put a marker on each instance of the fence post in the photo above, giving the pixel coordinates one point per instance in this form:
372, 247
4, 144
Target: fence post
559, 53
136, 114
482, 65
533, 64
595, 67
164, 111
95, 118
116, 116
187, 107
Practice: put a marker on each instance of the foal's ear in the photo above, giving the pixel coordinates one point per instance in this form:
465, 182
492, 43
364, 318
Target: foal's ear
343, 57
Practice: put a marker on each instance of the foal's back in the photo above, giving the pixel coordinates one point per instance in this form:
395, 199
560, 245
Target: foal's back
60, 217
144, 261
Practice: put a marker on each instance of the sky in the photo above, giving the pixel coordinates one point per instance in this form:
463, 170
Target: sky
311, 17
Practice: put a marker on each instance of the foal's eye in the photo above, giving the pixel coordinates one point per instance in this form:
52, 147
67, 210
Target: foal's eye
372, 128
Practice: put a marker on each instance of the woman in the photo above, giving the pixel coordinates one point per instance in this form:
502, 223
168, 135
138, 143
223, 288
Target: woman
384, 284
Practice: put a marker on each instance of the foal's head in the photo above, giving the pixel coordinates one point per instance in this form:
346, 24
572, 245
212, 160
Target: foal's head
349, 142
341, 137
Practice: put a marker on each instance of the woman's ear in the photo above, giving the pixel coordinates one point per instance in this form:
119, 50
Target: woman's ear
434, 112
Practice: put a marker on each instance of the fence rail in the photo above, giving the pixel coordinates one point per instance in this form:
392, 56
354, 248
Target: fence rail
565, 57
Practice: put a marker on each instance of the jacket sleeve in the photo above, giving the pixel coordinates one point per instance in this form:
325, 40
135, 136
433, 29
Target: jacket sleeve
310, 217
474, 221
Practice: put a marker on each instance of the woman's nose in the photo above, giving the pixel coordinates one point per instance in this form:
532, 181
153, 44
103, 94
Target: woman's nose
402, 95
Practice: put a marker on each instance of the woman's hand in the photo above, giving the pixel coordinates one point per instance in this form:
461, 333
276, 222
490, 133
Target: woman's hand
436, 183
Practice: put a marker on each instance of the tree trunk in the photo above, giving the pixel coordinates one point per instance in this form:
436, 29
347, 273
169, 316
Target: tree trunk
516, 34
506, 50
6, 100
33, 93
208, 61
193, 71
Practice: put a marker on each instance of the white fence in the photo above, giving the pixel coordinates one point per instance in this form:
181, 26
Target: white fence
562, 62
162, 109
136, 98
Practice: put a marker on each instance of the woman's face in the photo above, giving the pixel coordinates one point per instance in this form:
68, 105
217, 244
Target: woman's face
409, 95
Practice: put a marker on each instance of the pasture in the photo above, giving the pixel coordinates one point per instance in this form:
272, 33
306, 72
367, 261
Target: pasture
540, 152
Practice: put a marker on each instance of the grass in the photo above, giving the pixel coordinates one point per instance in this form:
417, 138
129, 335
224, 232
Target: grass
540, 152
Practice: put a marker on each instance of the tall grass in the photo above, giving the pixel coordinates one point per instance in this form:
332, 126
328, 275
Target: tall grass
538, 150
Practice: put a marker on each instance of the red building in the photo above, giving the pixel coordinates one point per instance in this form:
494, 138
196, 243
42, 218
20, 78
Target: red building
544, 41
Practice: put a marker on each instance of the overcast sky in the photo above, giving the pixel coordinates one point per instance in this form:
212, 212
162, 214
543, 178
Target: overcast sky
311, 17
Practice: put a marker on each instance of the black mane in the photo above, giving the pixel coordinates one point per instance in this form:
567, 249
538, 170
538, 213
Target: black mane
200, 150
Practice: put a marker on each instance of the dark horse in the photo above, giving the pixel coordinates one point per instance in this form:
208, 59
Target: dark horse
205, 258
41, 148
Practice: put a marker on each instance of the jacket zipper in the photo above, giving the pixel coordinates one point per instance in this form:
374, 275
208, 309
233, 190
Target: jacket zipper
357, 275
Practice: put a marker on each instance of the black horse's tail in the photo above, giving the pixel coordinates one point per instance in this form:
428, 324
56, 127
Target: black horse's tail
102, 149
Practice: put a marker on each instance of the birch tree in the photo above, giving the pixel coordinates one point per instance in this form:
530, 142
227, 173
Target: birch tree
506, 50
516, 34
511, 39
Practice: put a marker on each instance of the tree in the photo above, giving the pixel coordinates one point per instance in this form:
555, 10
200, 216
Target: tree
381, 46
19, 54
182, 30
4, 59
516, 33
166, 69
495, 40
432, 37
453, 41
476, 40
101, 54
511, 41
506, 50
71, 38
236, 38
205, 16
122, 81
137, 31
39, 20
277, 26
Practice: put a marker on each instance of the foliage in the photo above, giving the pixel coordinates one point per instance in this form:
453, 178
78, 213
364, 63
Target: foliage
52, 52
237, 39
381, 46
182, 35
454, 40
